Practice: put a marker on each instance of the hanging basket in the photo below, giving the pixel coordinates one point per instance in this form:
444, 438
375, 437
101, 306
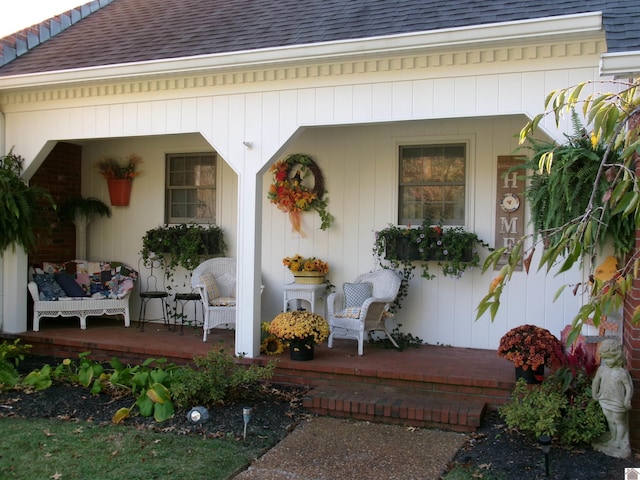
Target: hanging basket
309, 278
119, 191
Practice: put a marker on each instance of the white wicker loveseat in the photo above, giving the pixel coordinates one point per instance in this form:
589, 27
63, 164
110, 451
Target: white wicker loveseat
81, 288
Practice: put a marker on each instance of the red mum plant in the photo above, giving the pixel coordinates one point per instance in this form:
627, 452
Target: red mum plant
529, 346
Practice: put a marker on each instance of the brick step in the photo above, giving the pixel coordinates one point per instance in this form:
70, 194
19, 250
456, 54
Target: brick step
491, 393
397, 406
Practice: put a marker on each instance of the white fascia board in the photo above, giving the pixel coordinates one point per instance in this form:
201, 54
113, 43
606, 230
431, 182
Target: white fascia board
541, 29
620, 65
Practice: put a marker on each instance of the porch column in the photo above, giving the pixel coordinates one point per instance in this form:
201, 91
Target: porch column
14, 291
249, 249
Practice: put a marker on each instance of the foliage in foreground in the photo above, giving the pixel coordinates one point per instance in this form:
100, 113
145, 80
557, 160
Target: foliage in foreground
615, 129
562, 406
22, 206
10, 356
217, 379
156, 385
44, 448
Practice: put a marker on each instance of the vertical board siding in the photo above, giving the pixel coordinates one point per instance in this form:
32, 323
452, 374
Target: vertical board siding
353, 131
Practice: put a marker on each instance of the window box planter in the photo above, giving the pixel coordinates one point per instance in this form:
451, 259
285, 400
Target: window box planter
184, 244
407, 249
453, 248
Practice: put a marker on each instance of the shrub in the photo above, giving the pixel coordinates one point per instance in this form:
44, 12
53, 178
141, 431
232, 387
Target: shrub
11, 353
562, 406
217, 379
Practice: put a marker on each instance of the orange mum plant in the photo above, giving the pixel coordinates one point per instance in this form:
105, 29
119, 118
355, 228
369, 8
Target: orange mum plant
529, 346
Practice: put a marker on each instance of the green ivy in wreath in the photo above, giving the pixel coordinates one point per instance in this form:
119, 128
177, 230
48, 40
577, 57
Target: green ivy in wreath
292, 196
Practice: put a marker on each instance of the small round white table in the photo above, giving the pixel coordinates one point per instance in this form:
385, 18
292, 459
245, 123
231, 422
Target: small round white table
308, 293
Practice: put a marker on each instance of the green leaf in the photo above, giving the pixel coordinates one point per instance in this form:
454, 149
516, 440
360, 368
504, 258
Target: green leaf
559, 292
158, 393
483, 306
116, 364
163, 411
159, 376
145, 405
85, 376
120, 415
97, 387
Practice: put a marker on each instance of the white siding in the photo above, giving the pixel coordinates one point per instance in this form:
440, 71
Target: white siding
351, 119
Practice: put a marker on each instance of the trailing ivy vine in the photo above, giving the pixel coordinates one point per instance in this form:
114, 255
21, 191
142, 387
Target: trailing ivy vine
184, 245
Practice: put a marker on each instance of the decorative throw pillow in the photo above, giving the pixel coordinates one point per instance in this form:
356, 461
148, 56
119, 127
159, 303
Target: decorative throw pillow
211, 285
48, 289
69, 285
356, 293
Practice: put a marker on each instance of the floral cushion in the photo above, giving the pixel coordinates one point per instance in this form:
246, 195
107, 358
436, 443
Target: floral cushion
48, 289
355, 294
351, 312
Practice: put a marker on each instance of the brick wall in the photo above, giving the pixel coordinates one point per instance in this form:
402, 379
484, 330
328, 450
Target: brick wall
60, 175
631, 342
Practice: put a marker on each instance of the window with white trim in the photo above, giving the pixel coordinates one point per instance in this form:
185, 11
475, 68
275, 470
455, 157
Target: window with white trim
432, 184
191, 188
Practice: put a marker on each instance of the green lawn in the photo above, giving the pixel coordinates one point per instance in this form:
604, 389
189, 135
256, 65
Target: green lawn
43, 449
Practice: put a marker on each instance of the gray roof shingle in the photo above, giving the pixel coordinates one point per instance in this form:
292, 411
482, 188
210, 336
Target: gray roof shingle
126, 31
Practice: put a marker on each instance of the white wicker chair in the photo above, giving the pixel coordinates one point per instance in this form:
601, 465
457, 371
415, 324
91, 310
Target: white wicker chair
352, 323
221, 309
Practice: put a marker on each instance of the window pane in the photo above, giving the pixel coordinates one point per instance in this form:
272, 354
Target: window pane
432, 184
191, 194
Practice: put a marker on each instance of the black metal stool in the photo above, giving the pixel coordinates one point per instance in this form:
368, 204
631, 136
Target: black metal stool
152, 290
183, 298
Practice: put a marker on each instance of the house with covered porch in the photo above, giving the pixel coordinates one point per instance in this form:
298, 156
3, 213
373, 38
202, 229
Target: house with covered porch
358, 86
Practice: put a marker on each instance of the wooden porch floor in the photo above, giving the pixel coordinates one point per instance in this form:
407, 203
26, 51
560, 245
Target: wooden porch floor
439, 386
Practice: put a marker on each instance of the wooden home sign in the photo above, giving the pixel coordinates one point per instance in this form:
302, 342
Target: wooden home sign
510, 204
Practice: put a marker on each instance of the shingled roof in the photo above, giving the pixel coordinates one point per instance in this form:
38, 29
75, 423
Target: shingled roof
130, 31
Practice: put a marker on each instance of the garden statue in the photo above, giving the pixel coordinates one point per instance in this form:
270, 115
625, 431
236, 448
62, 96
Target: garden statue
612, 387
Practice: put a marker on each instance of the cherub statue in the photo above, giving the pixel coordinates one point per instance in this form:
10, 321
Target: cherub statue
612, 387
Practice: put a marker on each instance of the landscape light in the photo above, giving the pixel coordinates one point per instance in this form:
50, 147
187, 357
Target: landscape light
198, 415
545, 446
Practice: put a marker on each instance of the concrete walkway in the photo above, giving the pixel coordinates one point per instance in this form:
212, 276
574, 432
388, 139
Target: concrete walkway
325, 448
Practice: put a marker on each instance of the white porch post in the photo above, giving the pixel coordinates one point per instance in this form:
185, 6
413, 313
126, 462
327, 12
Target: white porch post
249, 264
14, 291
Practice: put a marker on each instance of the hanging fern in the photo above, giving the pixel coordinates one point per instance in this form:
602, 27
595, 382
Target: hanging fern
21, 206
561, 194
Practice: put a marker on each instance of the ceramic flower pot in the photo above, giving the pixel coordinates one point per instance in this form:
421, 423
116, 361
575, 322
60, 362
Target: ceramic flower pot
119, 191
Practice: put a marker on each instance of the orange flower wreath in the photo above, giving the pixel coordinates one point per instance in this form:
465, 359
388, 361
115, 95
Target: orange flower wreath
290, 194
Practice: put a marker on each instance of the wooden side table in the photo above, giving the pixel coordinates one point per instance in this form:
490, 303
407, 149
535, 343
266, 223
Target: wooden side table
308, 293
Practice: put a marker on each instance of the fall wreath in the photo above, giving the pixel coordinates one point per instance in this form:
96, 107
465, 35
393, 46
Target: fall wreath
292, 196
